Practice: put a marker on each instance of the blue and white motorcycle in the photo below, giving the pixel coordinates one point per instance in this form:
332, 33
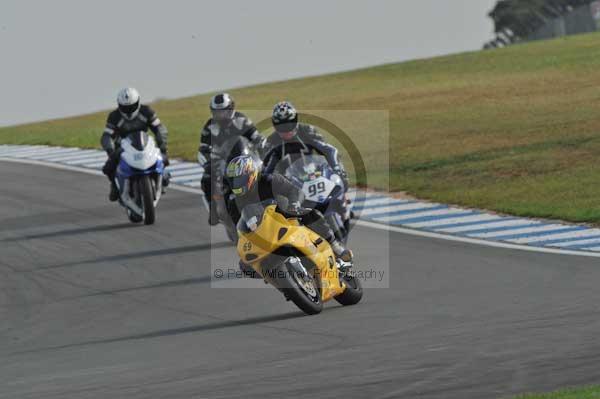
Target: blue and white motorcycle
323, 190
140, 177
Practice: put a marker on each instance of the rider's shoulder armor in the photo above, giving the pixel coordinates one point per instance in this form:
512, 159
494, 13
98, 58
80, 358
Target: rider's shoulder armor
273, 139
240, 125
306, 131
211, 128
146, 113
241, 122
113, 119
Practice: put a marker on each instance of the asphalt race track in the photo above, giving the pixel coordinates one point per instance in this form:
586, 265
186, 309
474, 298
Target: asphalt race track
94, 307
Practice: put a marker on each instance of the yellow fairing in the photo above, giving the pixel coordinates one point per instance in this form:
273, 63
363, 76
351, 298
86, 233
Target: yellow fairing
276, 231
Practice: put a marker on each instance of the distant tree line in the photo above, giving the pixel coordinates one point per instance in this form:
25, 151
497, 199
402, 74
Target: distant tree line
515, 20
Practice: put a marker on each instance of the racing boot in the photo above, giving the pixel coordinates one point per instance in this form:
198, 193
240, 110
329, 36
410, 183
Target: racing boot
213, 217
166, 179
114, 192
341, 252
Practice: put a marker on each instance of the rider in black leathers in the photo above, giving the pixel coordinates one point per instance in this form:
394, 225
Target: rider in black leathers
225, 123
130, 116
291, 137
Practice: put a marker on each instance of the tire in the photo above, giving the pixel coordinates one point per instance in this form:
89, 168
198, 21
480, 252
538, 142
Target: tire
134, 217
293, 292
353, 292
147, 195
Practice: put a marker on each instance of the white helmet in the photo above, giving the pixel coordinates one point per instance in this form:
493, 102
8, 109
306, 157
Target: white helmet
129, 102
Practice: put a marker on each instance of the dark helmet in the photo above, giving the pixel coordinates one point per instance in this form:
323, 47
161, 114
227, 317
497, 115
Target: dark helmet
222, 108
285, 120
242, 173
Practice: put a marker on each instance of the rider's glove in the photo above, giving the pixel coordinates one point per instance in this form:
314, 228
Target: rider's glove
202, 158
296, 209
165, 157
342, 173
205, 149
260, 143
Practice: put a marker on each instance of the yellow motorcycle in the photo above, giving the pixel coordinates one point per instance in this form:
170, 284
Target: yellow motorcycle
294, 259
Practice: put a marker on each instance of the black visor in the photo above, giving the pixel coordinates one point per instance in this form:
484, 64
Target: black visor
222, 114
286, 127
129, 109
237, 183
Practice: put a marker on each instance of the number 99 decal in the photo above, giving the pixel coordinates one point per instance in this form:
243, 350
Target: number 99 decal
316, 188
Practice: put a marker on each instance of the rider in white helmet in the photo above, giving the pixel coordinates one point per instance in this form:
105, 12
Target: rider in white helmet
130, 116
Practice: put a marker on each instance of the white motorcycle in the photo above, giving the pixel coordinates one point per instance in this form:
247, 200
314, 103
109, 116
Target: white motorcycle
323, 190
140, 177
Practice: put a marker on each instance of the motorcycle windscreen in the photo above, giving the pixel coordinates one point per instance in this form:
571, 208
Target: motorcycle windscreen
308, 167
139, 140
315, 177
252, 216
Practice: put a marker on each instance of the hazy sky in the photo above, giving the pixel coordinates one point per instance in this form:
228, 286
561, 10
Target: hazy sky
65, 57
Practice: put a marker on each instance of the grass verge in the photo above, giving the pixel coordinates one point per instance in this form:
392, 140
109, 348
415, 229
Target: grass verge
515, 130
580, 393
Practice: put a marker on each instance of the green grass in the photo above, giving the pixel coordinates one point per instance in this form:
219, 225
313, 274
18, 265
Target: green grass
581, 393
515, 130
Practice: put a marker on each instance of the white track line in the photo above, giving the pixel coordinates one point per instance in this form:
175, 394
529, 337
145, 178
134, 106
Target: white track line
193, 184
182, 165
507, 223
90, 153
372, 225
12, 148
194, 171
51, 155
494, 244
522, 230
463, 219
400, 218
52, 165
591, 241
97, 158
29, 155
377, 201
49, 150
396, 208
187, 177
94, 165
10, 151
572, 234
